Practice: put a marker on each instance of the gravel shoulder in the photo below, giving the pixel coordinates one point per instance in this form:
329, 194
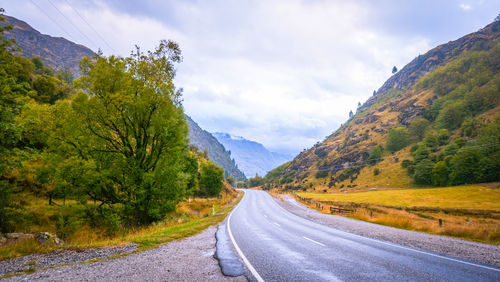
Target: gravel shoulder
190, 259
478, 252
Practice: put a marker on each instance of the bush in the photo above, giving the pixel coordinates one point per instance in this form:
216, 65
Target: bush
398, 139
440, 174
418, 128
376, 171
375, 155
321, 174
211, 179
423, 172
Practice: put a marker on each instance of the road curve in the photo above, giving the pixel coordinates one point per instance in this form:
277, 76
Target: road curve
280, 246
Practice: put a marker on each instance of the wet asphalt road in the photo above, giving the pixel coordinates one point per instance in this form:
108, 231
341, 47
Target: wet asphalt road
281, 246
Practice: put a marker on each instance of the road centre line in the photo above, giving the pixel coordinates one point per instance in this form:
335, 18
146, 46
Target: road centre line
314, 241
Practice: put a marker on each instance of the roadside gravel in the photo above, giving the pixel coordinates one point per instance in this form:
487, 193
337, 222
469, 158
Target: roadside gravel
60, 257
483, 253
190, 259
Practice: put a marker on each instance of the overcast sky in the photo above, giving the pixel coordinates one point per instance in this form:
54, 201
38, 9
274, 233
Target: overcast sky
283, 73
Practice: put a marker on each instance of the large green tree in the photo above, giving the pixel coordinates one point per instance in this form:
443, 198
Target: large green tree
122, 140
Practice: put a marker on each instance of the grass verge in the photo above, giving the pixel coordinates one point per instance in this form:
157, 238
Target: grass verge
475, 216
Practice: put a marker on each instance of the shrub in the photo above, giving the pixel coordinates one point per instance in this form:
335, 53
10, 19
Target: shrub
440, 174
376, 171
423, 172
375, 155
418, 128
398, 139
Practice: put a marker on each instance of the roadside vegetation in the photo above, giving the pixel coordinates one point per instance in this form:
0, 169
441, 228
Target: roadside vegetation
103, 158
470, 212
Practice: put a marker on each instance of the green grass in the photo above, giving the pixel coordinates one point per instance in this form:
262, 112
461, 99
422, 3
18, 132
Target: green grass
460, 197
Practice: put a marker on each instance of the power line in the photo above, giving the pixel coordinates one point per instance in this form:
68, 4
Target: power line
54, 21
76, 27
98, 34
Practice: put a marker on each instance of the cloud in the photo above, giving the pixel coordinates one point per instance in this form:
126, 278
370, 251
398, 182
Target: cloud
465, 7
285, 73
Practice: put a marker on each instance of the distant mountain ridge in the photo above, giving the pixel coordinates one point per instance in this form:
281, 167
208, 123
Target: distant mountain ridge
203, 140
56, 52
447, 88
252, 157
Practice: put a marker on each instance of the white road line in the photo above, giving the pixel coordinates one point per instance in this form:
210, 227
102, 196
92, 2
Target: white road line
396, 246
245, 260
276, 224
314, 241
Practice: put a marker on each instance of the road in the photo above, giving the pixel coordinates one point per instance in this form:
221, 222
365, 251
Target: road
279, 246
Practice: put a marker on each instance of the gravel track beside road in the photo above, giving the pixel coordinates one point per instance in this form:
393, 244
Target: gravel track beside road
483, 253
190, 259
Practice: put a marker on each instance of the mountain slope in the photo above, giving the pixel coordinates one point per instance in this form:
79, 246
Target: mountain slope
252, 157
203, 140
56, 52
447, 91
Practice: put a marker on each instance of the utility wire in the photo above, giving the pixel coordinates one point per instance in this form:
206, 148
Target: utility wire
54, 21
76, 27
96, 32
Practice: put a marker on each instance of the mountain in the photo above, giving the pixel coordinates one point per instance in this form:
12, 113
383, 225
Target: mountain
56, 52
252, 157
435, 122
203, 140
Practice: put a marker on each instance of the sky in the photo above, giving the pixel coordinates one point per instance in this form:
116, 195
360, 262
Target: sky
284, 73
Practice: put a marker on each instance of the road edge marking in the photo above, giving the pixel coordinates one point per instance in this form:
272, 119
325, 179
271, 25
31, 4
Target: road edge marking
240, 253
421, 251
321, 244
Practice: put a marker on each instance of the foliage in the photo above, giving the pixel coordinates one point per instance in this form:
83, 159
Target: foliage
417, 128
121, 141
397, 139
375, 155
211, 179
376, 171
423, 172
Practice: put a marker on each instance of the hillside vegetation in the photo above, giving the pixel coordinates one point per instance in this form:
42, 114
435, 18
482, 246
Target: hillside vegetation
102, 156
440, 129
217, 153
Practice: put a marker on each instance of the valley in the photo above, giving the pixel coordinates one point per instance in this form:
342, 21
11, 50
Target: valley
105, 175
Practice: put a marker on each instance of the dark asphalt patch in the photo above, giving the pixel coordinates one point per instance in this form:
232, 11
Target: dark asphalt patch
228, 259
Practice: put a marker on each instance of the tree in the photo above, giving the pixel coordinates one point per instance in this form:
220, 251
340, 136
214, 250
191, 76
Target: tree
440, 174
398, 139
351, 114
374, 92
211, 179
375, 155
423, 172
497, 18
394, 69
418, 128
126, 133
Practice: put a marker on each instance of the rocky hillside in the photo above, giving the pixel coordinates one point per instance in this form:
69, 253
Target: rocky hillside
203, 140
423, 120
56, 52
252, 157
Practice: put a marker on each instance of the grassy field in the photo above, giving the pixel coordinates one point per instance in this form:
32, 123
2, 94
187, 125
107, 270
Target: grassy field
461, 197
189, 218
470, 212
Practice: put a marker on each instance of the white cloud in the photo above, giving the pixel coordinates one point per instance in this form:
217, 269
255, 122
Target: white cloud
284, 72
465, 7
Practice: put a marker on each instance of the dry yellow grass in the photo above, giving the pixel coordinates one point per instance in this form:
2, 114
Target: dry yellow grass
189, 218
462, 197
